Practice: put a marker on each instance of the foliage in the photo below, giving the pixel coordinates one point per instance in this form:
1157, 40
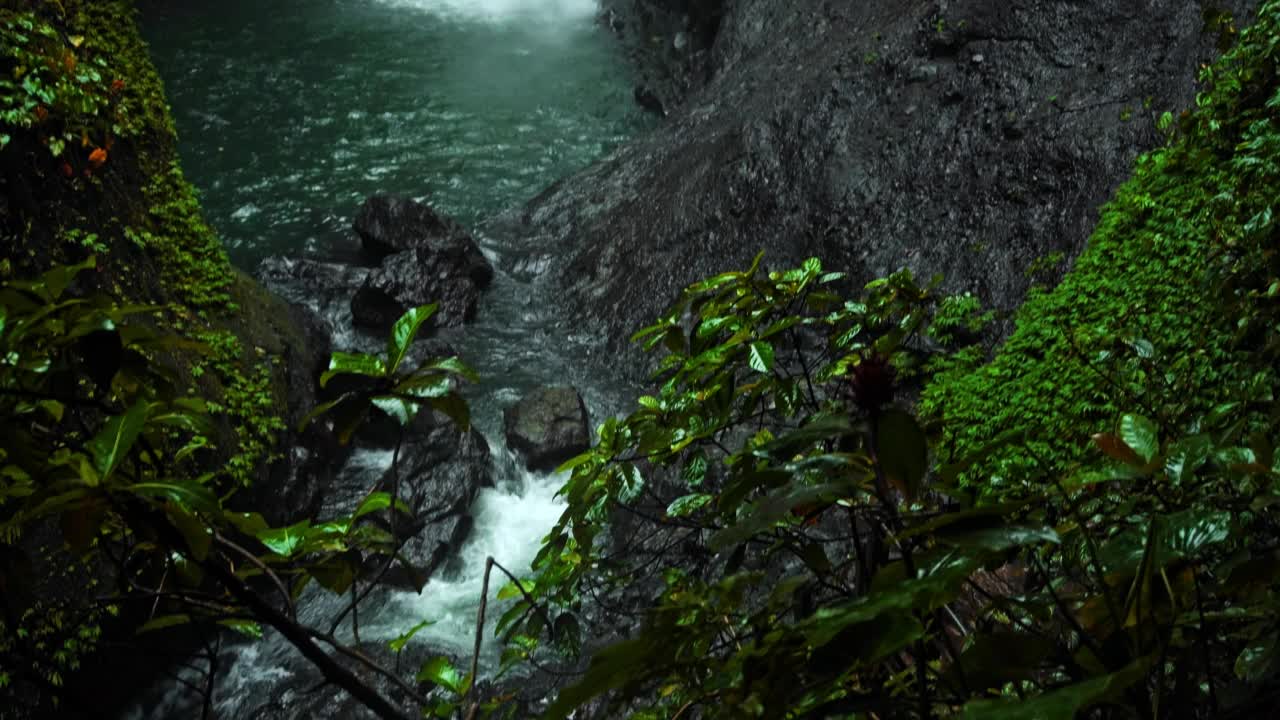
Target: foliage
769, 513
99, 447
1139, 290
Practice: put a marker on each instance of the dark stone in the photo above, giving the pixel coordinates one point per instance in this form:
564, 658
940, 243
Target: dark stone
389, 224
418, 277
547, 427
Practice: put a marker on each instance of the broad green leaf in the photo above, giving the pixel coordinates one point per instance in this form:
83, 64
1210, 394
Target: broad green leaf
511, 590
688, 504
902, 450
187, 493
455, 407
248, 628
440, 670
631, 483
285, 541
1117, 449
455, 366
375, 502
1141, 435
342, 363
163, 621
760, 357
1062, 704
116, 438
57, 279
999, 539
575, 461
1258, 659
398, 644
398, 409
404, 332
1186, 457
424, 384
335, 574
999, 658
193, 529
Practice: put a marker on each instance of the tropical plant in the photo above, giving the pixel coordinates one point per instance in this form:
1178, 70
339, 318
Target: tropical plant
768, 525
98, 448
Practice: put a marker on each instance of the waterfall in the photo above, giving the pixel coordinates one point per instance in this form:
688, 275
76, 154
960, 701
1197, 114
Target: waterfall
539, 11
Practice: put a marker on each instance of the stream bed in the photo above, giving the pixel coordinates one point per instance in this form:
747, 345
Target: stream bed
291, 113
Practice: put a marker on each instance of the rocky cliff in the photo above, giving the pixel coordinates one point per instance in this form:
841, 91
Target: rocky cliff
977, 138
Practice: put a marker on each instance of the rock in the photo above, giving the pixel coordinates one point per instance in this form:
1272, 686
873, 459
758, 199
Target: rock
389, 224
783, 139
547, 427
419, 277
440, 471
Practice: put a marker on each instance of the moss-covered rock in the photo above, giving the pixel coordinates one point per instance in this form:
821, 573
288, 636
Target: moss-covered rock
89, 168
1137, 325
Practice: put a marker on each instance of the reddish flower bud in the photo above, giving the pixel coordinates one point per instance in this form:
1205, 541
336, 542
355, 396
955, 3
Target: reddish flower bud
67, 171
872, 382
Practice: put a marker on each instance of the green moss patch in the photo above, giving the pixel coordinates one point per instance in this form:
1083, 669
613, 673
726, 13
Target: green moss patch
1138, 324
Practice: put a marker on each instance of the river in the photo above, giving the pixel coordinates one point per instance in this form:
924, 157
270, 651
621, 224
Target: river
291, 113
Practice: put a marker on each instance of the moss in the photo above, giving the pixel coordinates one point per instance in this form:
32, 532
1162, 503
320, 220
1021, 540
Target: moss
1135, 325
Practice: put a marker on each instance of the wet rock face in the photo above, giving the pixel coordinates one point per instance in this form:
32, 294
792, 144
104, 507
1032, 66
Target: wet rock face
425, 257
547, 427
417, 277
969, 137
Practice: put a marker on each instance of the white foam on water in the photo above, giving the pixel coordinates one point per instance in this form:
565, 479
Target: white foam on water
510, 523
540, 11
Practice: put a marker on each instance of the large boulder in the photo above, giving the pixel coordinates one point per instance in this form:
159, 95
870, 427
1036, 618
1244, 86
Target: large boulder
390, 224
419, 277
547, 427
969, 137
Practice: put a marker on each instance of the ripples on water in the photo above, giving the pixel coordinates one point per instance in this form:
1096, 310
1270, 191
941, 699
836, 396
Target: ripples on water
293, 112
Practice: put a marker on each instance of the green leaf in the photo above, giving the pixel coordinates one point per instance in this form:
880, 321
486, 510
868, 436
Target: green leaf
187, 493
398, 409
512, 590
455, 366
375, 502
404, 332
440, 670
631, 483
116, 438
248, 628
902, 450
285, 541
1141, 435
342, 363
398, 644
688, 504
163, 621
1062, 704
454, 406
193, 529
760, 357
1186, 457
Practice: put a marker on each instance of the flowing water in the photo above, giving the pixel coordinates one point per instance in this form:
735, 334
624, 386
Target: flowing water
292, 112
